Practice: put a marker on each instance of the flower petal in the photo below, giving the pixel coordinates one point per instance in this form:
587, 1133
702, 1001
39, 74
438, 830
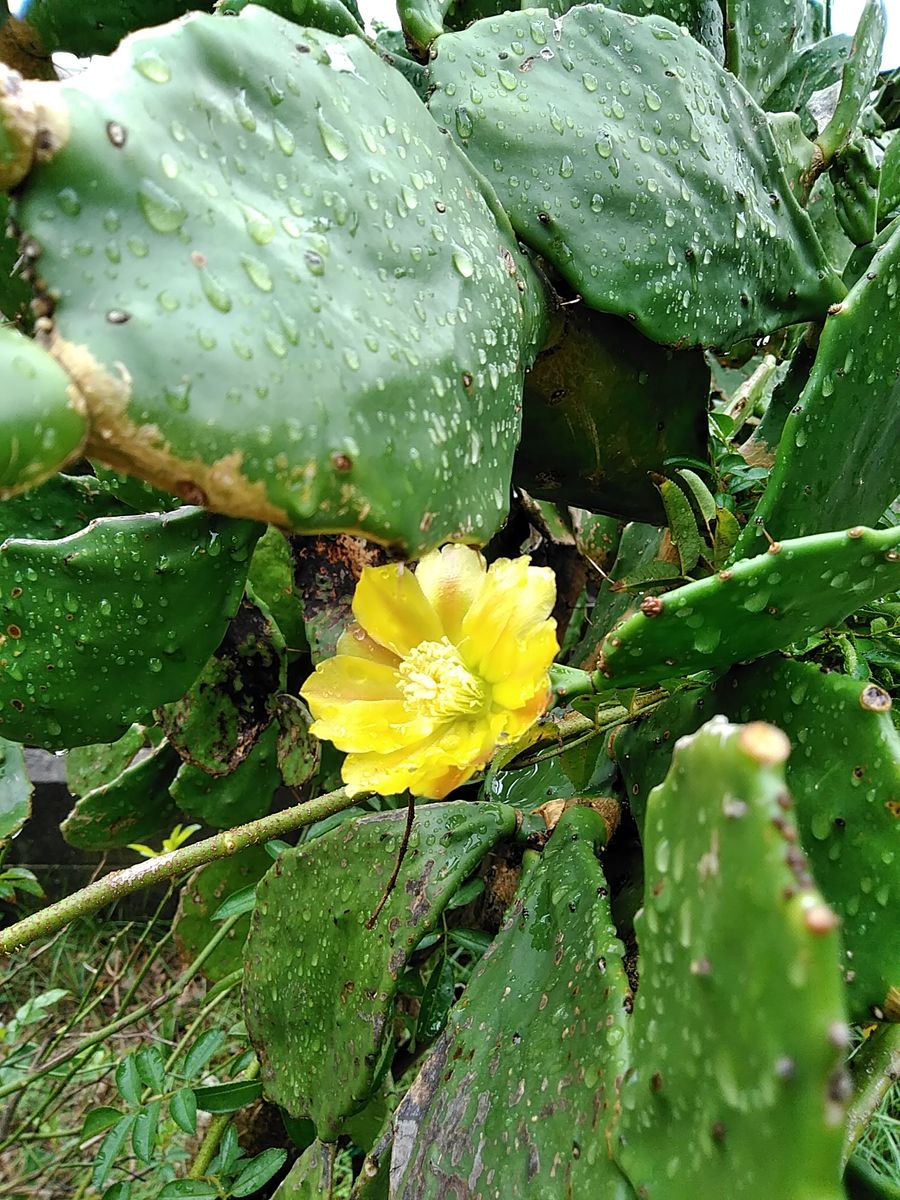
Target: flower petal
528, 675
369, 726
451, 579
431, 768
348, 677
390, 606
356, 643
515, 599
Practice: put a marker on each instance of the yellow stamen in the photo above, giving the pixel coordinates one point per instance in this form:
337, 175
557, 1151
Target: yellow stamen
436, 682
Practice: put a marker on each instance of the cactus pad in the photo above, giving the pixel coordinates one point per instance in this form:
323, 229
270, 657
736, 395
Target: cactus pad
738, 1029
652, 194
292, 298
42, 417
99, 627
318, 1009
848, 413
521, 1086
755, 606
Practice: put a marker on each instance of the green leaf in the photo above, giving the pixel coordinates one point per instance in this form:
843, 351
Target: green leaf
466, 894
718, 250
97, 1120
375, 309
203, 894
35, 1008
227, 1097
118, 642
533, 1053
238, 903
848, 414
15, 789
188, 1189
128, 1080
318, 1009
118, 1191
183, 1110
258, 1171
436, 1000
229, 1149
42, 424
201, 1052
476, 941
151, 1068
145, 1130
682, 525
755, 606
735, 1073
110, 1149
699, 494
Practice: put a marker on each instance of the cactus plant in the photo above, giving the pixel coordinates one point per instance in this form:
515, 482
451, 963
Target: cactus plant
286, 305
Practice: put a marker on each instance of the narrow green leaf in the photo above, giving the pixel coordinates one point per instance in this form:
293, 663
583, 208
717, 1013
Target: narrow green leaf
229, 1149
467, 893
146, 1127
34, 1009
227, 1097
202, 1051
682, 525
128, 1080
242, 901
700, 494
258, 1172
276, 847
118, 1191
476, 941
183, 1110
98, 1120
436, 1001
110, 1149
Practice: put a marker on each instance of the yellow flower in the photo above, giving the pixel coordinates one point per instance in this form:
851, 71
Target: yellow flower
443, 666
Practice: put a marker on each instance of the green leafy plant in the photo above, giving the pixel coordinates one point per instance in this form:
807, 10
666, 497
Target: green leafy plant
606, 298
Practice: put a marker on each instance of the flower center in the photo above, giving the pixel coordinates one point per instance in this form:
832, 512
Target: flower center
435, 681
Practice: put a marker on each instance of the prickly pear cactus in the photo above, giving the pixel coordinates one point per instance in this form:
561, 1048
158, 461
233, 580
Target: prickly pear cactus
336, 236
543, 1029
648, 198
322, 1027
725, 1058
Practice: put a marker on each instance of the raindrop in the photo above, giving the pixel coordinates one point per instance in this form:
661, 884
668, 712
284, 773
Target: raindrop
258, 225
152, 67
462, 261
257, 272
332, 139
161, 211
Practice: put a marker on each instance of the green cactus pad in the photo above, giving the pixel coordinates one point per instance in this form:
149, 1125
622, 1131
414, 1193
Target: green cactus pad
848, 414
844, 774
268, 215
203, 893
889, 193
521, 1086
603, 407
319, 1010
702, 18
90, 767
738, 1033
755, 606
858, 78
214, 726
312, 1175
331, 16
97, 26
100, 627
652, 194
135, 493
15, 789
58, 508
227, 800
760, 36
814, 68
133, 807
15, 294
42, 417
856, 175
